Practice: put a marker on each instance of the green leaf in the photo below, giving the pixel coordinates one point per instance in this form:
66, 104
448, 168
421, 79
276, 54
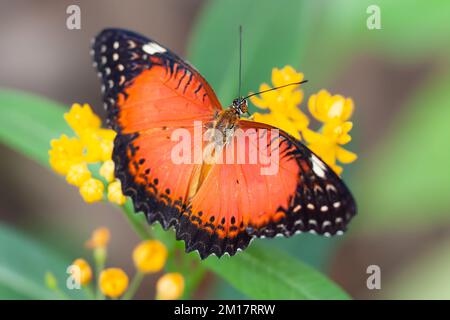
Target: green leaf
267, 273
274, 35
405, 182
23, 265
29, 122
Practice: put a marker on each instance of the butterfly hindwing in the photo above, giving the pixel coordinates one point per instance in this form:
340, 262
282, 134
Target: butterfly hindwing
321, 202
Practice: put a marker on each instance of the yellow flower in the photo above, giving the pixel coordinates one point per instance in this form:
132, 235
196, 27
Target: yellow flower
81, 118
327, 145
325, 107
64, 153
284, 96
115, 194
107, 143
170, 286
282, 104
289, 123
107, 170
150, 256
77, 174
99, 238
92, 190
99, 144
113, 282
333, 111
85, 271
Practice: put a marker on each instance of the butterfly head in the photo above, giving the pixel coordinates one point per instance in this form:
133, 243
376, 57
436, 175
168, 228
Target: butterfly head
240, 106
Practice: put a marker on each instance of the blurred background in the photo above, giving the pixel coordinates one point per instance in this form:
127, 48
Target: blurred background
398, 77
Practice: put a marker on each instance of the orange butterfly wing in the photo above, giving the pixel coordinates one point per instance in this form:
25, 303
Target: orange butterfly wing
149, 92
237, 200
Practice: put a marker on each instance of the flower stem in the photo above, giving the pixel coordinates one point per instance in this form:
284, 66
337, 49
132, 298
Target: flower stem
100, 259
134, 286
89, 292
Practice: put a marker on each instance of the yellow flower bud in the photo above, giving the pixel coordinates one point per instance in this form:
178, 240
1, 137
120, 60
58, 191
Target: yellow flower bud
99, 143
150, 256
64, 153
106, 149
81, 118
282, 104
325, 107
284, 76
99, 238
78, 173
107, 170
113, 282
170, 286
91, 141
85, 271
92, 190
115, 194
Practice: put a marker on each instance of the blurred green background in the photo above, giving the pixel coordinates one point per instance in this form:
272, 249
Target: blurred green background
398, 77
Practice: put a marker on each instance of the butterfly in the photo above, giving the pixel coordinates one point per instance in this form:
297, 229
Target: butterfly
216, 207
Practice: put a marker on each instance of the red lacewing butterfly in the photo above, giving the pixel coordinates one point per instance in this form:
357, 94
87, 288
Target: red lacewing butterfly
216, 207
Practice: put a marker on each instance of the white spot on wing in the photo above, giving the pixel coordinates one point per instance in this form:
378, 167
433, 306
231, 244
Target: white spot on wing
325, 224
152, 48
318, 166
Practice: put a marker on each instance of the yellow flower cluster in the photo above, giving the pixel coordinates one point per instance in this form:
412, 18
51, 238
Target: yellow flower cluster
70, 157
149, 257
332, 111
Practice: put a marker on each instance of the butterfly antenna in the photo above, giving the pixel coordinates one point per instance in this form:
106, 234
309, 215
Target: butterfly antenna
240, 63
276, 88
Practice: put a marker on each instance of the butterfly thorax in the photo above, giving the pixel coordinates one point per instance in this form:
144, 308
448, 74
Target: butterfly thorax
227, 120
